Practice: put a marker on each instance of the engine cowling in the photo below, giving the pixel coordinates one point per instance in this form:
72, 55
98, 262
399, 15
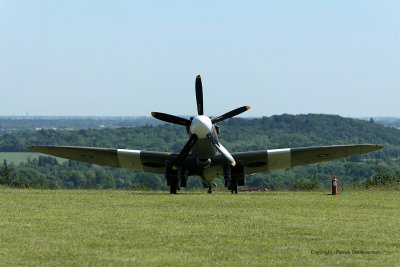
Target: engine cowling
203, 162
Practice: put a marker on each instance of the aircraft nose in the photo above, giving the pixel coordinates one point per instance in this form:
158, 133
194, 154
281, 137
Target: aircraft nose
201, 126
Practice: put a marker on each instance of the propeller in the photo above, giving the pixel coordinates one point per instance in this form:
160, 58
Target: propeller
171, 118
231, 114
199, 96
200, 126
185, 152
222, 149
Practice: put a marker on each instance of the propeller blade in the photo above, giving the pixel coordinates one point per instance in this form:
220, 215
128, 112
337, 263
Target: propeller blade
185, 151
231, 114
222, 150
171, 118
199, 96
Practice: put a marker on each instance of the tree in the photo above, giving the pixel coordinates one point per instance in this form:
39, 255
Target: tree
8, 175
77, 178
307, 185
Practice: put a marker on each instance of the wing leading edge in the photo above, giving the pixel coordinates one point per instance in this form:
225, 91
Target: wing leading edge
138, 160
275, 159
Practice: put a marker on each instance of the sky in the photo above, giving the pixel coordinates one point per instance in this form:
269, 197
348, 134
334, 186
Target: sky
129, 58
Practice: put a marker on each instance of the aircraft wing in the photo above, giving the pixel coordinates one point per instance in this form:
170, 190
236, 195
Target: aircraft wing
275, 159
148, 161
253, 162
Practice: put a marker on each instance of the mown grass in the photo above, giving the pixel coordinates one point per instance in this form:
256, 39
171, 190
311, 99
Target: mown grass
94, 228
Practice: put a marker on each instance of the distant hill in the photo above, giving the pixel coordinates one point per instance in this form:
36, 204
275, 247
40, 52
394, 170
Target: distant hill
237, 134
9, 124
388, 121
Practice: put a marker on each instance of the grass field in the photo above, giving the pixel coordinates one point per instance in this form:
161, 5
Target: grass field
94, 228
18, 157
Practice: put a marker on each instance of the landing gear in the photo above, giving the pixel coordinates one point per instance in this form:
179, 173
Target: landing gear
174, 185
209, 189
176, 178
234, 185
231, 180
172, 188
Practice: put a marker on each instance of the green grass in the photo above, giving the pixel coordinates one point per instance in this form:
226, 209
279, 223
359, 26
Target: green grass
18, 157
194, 228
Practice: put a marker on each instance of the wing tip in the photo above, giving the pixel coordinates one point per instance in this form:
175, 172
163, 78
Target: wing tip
372, 146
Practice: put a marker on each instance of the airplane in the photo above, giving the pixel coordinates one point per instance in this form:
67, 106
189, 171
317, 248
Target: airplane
203, 155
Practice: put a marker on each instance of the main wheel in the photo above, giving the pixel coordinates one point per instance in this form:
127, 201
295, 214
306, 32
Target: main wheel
234, 185
174, 185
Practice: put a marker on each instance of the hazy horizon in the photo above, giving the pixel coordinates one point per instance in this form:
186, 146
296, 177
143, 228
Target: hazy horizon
181, 115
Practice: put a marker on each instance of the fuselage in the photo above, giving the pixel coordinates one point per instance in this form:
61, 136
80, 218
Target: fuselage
203, 150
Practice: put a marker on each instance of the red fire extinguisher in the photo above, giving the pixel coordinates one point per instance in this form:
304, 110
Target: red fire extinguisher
334, 186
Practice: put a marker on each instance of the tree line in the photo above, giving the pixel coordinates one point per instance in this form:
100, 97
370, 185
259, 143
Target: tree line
32, 123
237, 135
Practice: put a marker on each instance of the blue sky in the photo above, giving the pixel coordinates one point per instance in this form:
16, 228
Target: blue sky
131, 58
